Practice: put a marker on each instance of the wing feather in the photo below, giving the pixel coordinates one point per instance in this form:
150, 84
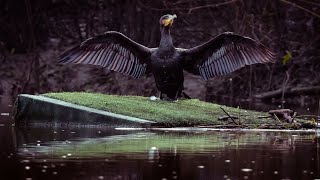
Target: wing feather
112, 50
224, 54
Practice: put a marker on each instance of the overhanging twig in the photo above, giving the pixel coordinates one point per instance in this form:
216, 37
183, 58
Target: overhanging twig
184, 9
276, 117
229, 116
309, 2
211, 5
300, 7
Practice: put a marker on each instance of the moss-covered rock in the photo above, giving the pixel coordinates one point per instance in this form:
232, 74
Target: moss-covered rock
181, 113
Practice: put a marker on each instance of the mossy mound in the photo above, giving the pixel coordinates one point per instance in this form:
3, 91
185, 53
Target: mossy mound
181, 113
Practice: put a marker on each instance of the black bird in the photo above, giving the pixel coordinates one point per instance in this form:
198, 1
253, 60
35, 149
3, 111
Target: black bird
221, 55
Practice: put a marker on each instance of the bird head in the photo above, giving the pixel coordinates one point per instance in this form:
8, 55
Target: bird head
167, 20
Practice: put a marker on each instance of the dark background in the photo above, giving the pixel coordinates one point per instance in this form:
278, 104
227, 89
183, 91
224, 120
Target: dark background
34, 32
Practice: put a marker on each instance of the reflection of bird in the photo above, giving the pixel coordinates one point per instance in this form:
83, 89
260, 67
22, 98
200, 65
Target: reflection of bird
223, 54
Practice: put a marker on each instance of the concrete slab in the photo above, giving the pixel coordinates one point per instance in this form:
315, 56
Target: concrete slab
39, 109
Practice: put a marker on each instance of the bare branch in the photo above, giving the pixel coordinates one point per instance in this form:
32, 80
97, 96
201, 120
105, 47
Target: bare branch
230, 116
302, 8
211, 5
312, 3
185, 9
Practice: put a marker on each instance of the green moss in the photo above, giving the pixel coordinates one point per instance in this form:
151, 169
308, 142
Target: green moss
182, 113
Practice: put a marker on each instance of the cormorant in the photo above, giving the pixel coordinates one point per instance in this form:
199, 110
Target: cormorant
221, 55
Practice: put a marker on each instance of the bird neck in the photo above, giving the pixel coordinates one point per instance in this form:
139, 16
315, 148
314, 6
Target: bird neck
166, 40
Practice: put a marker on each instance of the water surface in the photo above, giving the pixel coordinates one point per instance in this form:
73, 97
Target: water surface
104, 153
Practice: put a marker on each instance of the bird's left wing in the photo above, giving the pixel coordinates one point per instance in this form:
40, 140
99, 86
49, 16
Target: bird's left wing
224, 54
112, 50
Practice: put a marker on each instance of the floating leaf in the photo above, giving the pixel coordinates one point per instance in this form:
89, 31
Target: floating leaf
286, 57
13, 50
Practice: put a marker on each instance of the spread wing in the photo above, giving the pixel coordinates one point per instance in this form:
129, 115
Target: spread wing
112, 50
224, 54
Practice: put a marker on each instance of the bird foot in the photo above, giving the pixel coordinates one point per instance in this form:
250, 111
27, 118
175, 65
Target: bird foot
169, 99
185, 95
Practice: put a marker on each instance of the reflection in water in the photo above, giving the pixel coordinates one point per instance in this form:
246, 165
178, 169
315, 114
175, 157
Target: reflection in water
101, 153
8, 157
112, 154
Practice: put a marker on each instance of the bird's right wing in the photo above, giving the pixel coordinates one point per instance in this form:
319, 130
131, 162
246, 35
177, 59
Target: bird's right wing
112, 50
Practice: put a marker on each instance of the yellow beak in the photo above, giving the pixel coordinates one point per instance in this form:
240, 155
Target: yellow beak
169, 21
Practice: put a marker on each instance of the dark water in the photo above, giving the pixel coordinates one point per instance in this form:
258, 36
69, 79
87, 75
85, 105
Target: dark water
100, 153
311, 106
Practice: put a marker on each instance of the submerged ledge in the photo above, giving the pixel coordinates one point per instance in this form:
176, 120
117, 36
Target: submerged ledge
43, 110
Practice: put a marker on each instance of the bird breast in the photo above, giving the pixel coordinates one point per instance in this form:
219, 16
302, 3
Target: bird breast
167, 70
165, 63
